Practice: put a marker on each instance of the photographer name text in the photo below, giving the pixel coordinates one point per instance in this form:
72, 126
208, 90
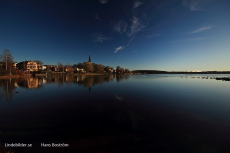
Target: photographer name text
54, 145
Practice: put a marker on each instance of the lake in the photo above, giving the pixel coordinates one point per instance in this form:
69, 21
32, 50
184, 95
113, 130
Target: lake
116, 113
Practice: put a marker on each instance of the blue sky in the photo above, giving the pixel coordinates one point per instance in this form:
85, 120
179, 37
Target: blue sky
171, 35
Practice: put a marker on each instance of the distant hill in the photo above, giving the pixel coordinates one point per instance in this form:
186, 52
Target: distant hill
179, 72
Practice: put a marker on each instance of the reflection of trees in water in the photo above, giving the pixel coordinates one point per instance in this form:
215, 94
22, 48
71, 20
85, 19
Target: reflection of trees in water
88, 82
7, 86
69, 78
85, 80
120, 77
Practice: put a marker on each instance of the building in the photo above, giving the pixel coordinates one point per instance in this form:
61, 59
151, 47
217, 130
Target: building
28, 65
69, 69
79, 70
51, 68
89, 58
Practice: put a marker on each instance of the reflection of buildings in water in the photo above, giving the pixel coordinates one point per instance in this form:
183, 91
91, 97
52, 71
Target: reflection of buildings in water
44, 80
8, 85
80, 78
29, 82
85, 80
69, 78
33, 82
15, 84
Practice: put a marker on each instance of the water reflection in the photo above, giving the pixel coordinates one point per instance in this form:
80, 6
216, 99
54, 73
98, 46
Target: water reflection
176, 113
29, 82
8, 86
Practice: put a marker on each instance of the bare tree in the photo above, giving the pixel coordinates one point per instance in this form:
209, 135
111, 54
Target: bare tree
127, 71
7, 61
80, 65
60, 67
39, 63
88, 66
98, 68
107, 69
118, 69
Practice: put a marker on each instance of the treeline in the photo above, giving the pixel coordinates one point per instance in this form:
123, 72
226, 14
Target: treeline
7, 66
90, 67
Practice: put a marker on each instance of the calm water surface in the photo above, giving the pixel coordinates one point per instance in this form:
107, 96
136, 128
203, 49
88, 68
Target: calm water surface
143, 113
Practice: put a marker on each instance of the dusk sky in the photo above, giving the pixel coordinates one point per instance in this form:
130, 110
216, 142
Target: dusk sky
171, 35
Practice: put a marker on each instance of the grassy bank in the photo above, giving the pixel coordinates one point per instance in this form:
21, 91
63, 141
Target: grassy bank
8, 76
89, 74
14, 76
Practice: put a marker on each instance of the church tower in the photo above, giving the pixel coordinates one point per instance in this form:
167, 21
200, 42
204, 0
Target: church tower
89, 58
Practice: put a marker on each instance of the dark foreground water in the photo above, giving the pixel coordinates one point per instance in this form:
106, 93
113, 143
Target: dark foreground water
139, 113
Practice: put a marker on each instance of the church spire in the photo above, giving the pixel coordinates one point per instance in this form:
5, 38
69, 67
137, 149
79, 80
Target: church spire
89, 58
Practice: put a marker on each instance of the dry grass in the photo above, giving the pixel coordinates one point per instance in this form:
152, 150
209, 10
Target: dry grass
90, 74
9, 76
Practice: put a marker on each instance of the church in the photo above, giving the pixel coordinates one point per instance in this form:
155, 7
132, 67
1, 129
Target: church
89, 59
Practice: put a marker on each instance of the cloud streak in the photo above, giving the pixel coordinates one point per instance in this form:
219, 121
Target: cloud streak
118, 48
136, 24
200, 30
103, 1
134, 35
121, 27
100, 38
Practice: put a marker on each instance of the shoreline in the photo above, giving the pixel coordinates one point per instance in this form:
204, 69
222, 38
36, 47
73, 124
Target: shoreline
28, 75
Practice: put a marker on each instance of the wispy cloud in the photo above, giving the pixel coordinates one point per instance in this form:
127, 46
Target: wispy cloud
118, 48
99, 37
195, 5
186, 40
103, 1
135, 26
136, 4
135, 34
200, 30
121, 27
